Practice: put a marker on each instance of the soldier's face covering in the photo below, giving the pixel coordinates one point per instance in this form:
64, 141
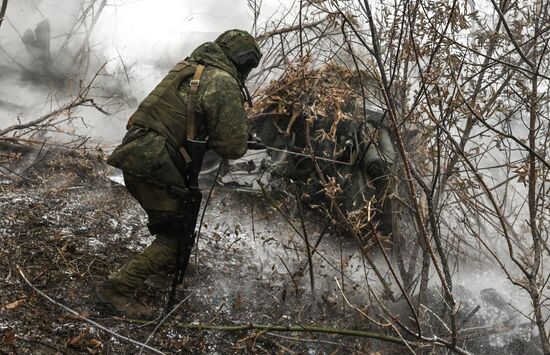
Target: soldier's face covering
245, 62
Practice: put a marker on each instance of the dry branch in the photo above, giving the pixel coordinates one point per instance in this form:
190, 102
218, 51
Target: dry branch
280, 328
79, 316
65, 108
307, 329
306, 239
165, 318
284, 30
3, 10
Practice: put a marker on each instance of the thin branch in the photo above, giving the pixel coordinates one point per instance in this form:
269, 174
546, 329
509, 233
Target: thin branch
80, 100
511, 36
65, 108
165, 318
280, 328
279, 31
3, 10
80, 317
306, 239
493, 129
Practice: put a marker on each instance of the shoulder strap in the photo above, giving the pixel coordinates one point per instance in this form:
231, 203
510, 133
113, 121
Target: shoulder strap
193, 89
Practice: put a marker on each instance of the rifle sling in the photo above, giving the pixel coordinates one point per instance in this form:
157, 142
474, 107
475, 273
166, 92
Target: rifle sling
193, 89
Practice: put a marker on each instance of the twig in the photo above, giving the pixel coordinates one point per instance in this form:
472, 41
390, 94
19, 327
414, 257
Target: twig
469, 316
66, 107
280, 328
328, 160
278, 208
280, 31
165, 318
351, 305
204, 212
306, 239
252, 218
3, 10
511, 36
97, 107
342, 276
290, 274
95, 18
124, 68
80, 100
41, 119
481, 119
305, 340
21, 141
80, 317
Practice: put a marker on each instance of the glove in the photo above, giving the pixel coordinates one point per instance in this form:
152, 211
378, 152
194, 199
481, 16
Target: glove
254, 142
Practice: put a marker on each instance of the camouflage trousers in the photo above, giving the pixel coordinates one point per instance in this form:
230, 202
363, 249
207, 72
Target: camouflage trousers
161, 256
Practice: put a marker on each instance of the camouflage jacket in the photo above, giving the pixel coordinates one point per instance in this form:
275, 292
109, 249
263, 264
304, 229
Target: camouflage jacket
149, 150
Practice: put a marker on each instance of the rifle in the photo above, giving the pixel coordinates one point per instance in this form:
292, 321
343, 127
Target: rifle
192, 200
185, 224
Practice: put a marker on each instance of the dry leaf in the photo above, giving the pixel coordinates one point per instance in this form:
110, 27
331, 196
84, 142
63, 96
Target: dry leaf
15, 304
76, 340
9, 337
94, 343
238, 301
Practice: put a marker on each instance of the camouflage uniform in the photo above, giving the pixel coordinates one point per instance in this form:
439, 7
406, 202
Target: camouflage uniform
154, 155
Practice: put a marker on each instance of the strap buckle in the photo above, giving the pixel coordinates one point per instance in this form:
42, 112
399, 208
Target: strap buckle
194, 83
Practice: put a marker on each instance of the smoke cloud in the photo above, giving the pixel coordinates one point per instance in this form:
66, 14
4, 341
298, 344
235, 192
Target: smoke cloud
131, 47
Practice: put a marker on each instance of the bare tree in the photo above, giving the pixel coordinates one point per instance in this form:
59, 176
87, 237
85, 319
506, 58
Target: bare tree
3, 10
465, 90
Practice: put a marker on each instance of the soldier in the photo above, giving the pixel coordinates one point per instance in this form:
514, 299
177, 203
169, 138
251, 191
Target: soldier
197, 106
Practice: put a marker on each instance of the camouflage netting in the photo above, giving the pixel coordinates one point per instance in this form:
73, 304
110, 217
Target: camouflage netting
329, 112
332, 92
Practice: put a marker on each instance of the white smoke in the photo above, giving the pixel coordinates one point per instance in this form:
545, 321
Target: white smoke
136, 43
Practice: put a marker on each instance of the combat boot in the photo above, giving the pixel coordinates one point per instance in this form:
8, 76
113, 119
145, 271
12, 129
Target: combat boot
116, 302
158, 256
164, 278
116, 293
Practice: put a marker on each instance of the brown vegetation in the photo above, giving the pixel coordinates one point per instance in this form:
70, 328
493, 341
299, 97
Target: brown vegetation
465, 95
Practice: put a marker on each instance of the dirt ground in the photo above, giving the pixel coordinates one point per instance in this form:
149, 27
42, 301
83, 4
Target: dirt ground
66, 223
66, 226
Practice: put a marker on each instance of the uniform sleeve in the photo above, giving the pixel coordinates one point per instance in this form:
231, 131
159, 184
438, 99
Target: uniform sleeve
225, 117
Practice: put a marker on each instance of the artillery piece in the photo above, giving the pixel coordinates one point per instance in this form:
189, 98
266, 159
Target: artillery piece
331, 141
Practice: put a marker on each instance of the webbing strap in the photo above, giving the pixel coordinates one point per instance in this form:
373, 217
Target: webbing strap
193, 88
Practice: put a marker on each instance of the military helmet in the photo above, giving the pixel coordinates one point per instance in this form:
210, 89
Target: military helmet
241, 48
